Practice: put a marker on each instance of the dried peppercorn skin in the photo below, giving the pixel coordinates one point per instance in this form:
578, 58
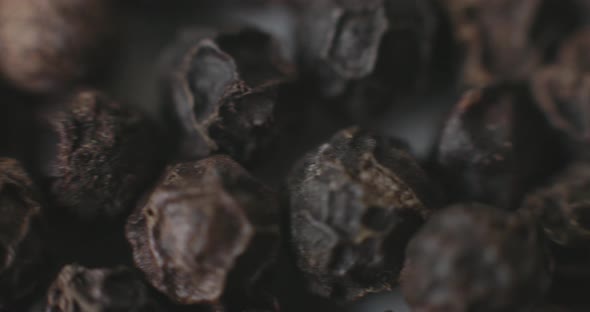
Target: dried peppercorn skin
483, 27
221, 90
47, 45
206, 227
354, 203
21, 249
98, 156
340, 39
343, 43
562, 207
405, 65
562, 90
495, 146
472, 257
507, 40
77, 288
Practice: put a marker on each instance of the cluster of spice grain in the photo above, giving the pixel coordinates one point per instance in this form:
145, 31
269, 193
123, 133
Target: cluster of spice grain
267, 181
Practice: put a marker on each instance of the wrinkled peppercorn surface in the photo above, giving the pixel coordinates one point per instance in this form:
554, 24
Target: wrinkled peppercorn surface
473, 257
98, 156
355, 201
203, 223
221, 88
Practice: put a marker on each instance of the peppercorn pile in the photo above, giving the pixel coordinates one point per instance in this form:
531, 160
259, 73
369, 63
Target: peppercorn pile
294, 155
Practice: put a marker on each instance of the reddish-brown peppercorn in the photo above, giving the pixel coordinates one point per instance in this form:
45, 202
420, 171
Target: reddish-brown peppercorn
98, 156
562, 91
206, 226
221, 90
483, 26
506, 40
46, 45
355, 202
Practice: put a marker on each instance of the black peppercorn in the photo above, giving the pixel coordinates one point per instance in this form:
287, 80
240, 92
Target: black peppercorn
221, 89
206, 226
97, 155
473, 257
341, 40
562, 91
355, 202
21, 251
365, 55
47, 45
562, 206
80, 289
506, 40
257, 83
483, 26
495, 146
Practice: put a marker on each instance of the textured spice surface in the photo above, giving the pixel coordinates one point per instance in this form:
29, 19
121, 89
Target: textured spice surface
366, 55
99, 156
203, 223
483, 26
342, 40
77, 288
495, 146
475, 258
264, 82
355, 201
563, 207
562, 90
221, 89
507, 40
